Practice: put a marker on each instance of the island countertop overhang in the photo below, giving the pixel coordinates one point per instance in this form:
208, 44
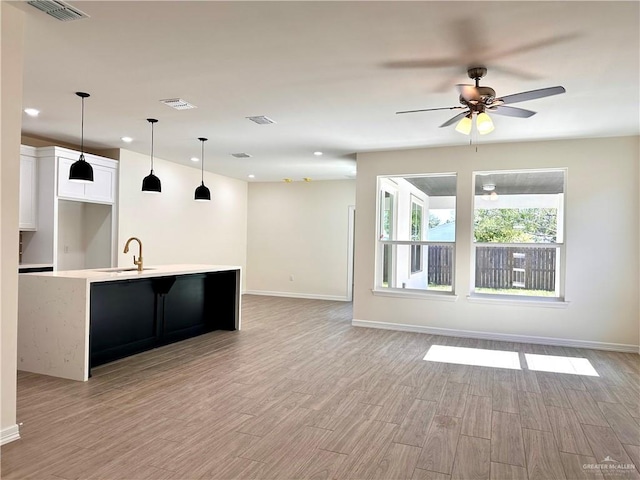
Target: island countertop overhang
116, 273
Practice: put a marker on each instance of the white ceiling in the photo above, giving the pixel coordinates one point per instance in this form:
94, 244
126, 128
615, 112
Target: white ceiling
329, 73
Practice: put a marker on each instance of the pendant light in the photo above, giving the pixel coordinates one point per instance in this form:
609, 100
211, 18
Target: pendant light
202, 193
151, 183
81, 171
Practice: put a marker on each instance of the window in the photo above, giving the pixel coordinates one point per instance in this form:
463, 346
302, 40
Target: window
416, 232
518, 233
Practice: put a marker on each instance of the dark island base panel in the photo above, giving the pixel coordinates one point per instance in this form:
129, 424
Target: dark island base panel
132, 316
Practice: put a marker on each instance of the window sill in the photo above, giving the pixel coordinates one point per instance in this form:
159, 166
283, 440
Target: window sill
416, 294
518, 301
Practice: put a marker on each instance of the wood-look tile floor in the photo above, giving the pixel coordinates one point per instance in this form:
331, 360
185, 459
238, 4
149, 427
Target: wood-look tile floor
300, 393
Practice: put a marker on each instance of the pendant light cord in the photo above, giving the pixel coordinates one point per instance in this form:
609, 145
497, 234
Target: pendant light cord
202, 166
82, 129
152, 147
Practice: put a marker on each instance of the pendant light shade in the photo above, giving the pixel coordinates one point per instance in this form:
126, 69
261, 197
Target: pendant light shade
81, 171
151, 183
202, 192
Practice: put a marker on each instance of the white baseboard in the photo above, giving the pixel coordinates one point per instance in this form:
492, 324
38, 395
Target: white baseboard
311, 296
9, 434
505, 337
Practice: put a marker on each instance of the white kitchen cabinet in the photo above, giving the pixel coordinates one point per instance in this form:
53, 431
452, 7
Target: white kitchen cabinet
77, 222
105, 176
67, 188
28, 189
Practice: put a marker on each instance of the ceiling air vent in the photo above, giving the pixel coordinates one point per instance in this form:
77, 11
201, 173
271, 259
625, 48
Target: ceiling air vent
60, 10
178, 104
261, 120
241, 155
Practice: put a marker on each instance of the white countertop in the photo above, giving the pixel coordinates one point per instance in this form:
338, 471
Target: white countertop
131, 272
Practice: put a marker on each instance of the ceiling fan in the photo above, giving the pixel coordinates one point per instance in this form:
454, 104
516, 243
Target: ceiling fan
477, 100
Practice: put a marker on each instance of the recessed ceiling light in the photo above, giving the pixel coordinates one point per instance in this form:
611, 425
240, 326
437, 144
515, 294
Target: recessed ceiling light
32, 112
126, 139
195, 159
317, 154
251, 176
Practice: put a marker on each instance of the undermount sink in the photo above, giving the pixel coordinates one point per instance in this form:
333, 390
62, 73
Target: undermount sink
120, 270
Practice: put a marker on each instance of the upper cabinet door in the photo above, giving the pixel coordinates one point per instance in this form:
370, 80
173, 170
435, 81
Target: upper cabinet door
28, 192
67, 188
101, 190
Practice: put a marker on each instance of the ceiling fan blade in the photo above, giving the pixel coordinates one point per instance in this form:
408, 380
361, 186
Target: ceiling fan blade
512, 111
453, 120
468, 92
547, 42
430, 110
531, 95
470, 40
515, 72
434, 63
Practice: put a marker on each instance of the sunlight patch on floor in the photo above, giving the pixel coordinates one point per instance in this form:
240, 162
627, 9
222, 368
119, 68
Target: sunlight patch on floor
570, 365
473, 356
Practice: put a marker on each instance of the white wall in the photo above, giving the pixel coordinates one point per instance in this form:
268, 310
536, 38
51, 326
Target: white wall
84, 235
299, 229
71, 249
11, 47
172, 226
97, 236
602, 258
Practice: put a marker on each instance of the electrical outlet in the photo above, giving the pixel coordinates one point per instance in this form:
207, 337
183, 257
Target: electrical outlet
291, 278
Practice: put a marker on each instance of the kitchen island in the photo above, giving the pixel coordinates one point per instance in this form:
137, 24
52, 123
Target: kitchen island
69, 321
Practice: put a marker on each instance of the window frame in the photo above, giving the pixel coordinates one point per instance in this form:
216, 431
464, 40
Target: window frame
385, 183
413, 200
390, 187
559, 245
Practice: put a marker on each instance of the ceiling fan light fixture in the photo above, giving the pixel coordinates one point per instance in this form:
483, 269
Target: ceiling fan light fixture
464, 125
484, 124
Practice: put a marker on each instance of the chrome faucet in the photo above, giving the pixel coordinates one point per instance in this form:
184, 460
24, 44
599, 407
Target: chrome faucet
126, 250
